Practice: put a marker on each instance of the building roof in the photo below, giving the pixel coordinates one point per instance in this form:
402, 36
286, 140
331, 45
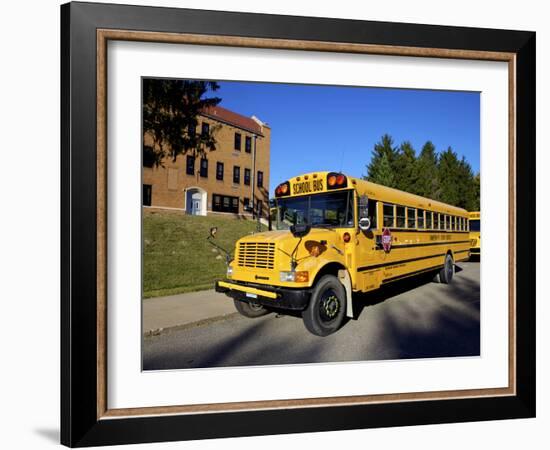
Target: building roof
233, 118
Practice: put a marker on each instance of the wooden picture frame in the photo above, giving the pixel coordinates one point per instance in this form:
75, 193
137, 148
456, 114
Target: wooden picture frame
85, 417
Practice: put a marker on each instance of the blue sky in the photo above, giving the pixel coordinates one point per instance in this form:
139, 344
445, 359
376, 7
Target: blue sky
335, 128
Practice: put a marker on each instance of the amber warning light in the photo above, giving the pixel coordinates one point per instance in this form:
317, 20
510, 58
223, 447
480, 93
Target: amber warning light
336, 181
282, 189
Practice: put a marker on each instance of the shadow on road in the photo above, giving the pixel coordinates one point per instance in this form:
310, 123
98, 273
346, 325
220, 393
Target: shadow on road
413, 318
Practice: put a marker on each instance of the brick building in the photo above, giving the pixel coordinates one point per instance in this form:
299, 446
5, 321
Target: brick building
223, 181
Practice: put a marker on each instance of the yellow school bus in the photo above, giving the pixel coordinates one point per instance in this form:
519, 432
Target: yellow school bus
475, 238
335, 235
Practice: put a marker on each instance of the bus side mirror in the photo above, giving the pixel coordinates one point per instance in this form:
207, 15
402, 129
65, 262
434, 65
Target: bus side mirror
213, 232
301, 230
364, 224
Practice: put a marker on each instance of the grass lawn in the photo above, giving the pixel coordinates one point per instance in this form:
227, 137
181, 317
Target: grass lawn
176, 255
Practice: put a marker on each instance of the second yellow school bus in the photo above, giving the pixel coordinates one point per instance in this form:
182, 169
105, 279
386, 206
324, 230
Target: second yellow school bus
335, 235
475, 235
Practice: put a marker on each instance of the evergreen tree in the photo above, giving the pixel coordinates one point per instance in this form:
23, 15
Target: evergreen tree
443, 177
381, 167
405, 162
465, 186
427, 183
477, 193
384, 172
448, 177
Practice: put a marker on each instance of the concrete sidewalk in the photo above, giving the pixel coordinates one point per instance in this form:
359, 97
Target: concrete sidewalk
184, 309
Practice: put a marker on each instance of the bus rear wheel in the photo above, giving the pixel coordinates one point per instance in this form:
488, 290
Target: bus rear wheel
251, 310
447, 271
327, 307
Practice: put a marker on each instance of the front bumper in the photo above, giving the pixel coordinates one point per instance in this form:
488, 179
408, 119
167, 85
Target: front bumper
270, 296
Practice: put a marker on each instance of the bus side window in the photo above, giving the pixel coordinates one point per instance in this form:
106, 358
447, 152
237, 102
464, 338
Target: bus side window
420, 218
446, 222
388, 212
429, 220
400, 216
411, 218
372, 214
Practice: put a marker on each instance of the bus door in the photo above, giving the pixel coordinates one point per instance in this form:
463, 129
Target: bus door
368, 238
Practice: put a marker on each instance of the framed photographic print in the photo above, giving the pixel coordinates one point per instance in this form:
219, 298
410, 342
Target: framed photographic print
272, 224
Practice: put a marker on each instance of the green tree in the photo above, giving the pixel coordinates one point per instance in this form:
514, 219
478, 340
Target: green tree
427, 183
477, 193
405, 168
465, 186
448, 177
170, 110
382, 164
384, 173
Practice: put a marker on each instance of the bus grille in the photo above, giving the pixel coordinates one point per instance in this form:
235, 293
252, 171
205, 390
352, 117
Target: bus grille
258, 255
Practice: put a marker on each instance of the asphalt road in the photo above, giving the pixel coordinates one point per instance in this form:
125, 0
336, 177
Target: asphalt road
410, 319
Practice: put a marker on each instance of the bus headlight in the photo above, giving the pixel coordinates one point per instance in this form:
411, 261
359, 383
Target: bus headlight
229, 271
298, 277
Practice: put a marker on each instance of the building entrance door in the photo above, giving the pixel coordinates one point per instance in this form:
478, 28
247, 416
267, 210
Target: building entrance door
196, 207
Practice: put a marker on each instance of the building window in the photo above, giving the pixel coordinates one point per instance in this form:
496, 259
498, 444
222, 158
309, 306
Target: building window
219, 171
260, 179
247, 177
411, 218
216, 202
205, 129
237, 141
420, 218
147, 194
148, 156
400, 217
388, 215
248, 144
192, 129
259, 208
204, 168
190, 168
225, 203
236, 174
246, 204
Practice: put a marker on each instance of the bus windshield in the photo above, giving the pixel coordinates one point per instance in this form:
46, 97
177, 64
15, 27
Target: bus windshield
474, 225
332, 209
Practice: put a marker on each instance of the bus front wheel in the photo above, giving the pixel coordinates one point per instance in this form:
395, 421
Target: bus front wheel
446, 273
327, 307
250, 310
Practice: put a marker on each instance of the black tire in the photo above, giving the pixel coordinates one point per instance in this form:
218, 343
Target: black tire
251, 310
447, 272
327, 307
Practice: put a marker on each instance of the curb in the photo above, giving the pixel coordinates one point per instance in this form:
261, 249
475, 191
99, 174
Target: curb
198, 323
